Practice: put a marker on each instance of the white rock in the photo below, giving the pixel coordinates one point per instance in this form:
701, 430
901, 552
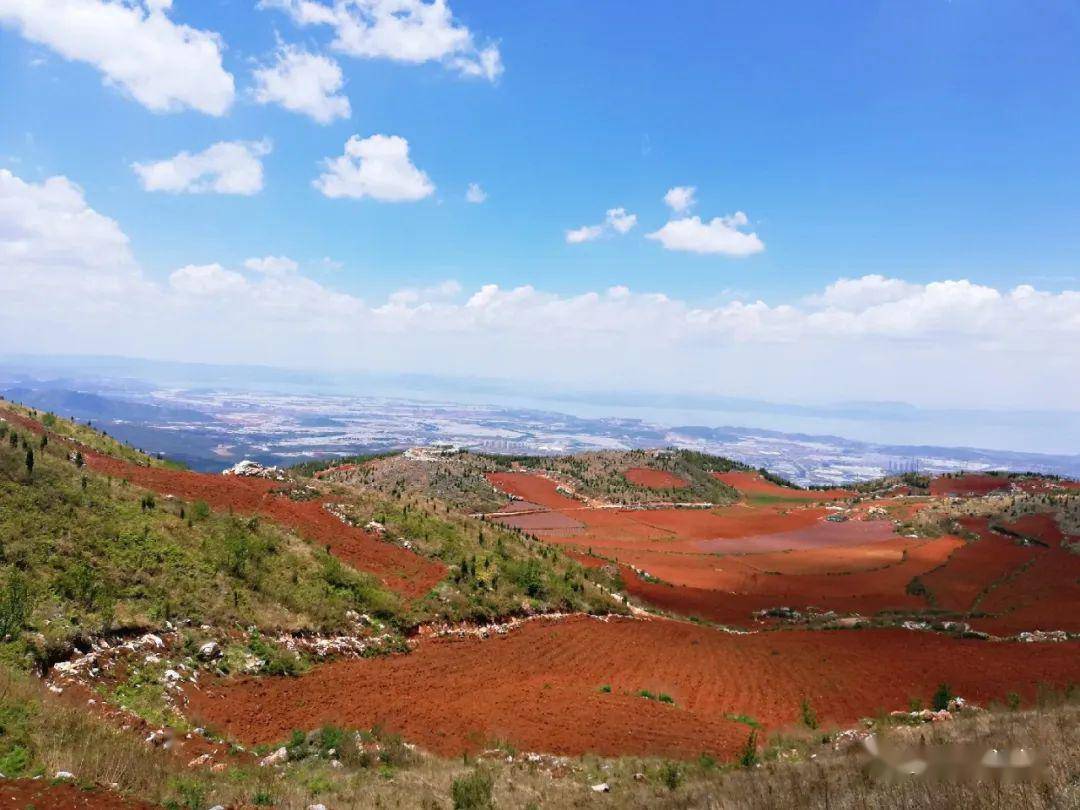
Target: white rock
279, 757
601, 788
316, 807
64, 775
209, 650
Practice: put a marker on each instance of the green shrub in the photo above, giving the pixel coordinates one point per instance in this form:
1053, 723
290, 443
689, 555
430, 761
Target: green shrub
809, 716
671, 774
473, 792
748, 757
941, 698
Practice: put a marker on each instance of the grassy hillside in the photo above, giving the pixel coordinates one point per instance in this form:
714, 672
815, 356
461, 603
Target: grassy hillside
459, 479
82, 555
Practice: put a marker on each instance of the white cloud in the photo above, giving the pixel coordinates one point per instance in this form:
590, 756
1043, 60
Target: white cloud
163, 65
586, 233
475, 194
411, 31
680, 199
272, 265
53, 244
376, 167
860, 293
620, 221
228, 167
68, 281
616, 220
719, 235
304, 83
206, 279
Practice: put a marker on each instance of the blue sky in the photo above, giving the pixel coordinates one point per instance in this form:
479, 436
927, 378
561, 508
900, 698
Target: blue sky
913, 142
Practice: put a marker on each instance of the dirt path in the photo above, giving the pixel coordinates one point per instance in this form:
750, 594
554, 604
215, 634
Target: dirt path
538, 687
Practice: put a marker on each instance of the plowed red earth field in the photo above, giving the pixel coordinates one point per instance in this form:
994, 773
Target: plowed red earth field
534, 488
969, 484
404, 572
537, 687
42, 794
654, 479
976, 567
749, 483
1042, 595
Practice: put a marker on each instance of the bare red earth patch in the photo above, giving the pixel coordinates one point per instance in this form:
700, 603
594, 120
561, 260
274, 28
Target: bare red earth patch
750, 483
537, 687
530, 487
654, 479
969, 484
42, 794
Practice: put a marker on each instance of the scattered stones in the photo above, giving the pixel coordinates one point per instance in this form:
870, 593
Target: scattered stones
279, 757
201, 761
253, 469
1042, 635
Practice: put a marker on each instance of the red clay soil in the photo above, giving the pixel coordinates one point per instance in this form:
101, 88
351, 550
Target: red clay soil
976, 567
750, 483
402, 571
654, 479
969, 484
530, 487
43, 795
538, 686
1039, 596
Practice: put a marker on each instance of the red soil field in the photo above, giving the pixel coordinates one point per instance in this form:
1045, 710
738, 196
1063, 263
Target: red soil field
546, 521
537, 687
1042, 595
819, 534
534, 488
404, 572
969, 484
654, 479
41, 793
975, 567
750, 483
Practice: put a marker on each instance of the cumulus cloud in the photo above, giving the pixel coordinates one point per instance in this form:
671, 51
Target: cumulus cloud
620, 221
206, 279
228, 167
376, 167
272, 265
68, 281
163, 65
616, 220
304, 83
680, 199
411, 31
52, 242
721, 235
586, 233
475, 194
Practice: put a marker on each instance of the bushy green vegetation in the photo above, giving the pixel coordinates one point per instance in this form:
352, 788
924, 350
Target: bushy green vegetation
458, 480
83, 554
494, 572
87, 435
